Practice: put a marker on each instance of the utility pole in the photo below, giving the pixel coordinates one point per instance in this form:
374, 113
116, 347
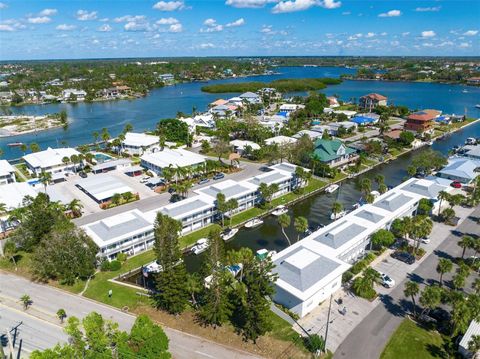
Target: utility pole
328, 322
10, 345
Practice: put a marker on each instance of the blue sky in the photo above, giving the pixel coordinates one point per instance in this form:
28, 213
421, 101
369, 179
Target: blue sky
41, 29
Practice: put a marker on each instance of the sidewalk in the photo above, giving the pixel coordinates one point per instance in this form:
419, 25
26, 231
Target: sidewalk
358, 308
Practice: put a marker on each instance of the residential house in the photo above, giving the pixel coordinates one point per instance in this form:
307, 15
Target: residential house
348, 113
7, 173
372, 100
139, 143
175, 158
241, 146
421, 122
334, 126
460, 169
313, 135
334, 152
251, 98
475, 81
472, 151
13, 194
364, 119
280, 140
287, 108
79, 94
332, 102
51, 161
167, 79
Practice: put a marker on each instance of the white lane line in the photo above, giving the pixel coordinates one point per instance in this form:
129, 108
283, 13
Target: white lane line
204, 354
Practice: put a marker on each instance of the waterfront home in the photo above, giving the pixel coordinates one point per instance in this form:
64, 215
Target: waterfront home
114, 92
472, 330
167, 79
313, 135
6, 96
280, 140
51, 161
111, 165
79, 95
372, 100
243, 146
348, 113
472, 151
13, 194
288, 108
175, 158
204, 120
251, 98
7, 173
421, 122
460, 169
475, 81
244, 192
128, 232
332, 102
218, 102
193, 213
310, 270
139, 143
286, 181
334, 152
364, 119
334, 126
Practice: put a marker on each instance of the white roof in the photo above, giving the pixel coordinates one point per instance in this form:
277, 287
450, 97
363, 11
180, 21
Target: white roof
174, 157
346, 112
280, 140
6, 168
12, 194
49, 157
290, 107
134, 139
182, 209
230, 188
241, 144
103, 186
473, 329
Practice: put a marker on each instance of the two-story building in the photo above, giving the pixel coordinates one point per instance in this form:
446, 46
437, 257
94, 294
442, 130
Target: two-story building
7, 172
139, 143
51, 161
334, 152
168, 157
372, 100
421, 122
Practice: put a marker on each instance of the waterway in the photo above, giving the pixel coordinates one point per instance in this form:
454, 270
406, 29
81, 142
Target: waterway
144, 113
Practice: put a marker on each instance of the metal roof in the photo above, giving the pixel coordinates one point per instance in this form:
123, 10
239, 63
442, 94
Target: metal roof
110, 164
268, 178
424, 188
393, 202
370, 216
119, 225
183, 208
103, 186
340, 234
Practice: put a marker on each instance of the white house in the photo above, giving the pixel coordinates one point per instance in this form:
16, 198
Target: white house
290, 107
240, 146
7, 172
177, 157
251, 97
50, 160
280, 140
79, 94
347, 113
13, 194
460, 169
286, 181
310, 270
139, 143
205, 120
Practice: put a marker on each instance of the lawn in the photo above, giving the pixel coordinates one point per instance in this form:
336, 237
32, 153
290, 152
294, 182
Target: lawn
413, 341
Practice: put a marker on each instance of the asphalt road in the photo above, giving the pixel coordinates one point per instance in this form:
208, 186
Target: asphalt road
40, 329
369, 338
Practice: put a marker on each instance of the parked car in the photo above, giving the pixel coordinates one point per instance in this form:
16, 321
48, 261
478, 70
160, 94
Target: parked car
83, 174
176, 198
145, 179
403, 257
218, 176
387, 281
203, 181
171, 190
426, 240
456, 184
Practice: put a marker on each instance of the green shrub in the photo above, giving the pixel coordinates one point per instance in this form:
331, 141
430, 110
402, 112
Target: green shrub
115, 265
122, 257
314, 343
105, 266
347, 276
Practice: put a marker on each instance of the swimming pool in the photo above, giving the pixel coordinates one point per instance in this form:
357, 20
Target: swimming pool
101, 157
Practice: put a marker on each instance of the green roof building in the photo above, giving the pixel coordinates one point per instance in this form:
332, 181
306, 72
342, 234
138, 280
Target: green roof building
334, 152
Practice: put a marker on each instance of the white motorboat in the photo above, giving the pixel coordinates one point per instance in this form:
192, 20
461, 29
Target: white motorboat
152, 267
375, 194
338, 215
280, 210
229, 233
254, 223
332, 188
263, 253
200, 246
471, 141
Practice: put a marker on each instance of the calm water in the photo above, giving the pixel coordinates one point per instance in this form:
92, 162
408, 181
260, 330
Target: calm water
161, 103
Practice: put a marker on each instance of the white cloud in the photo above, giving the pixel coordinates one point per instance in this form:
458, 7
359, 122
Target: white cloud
383, 34
105, 28
65, 27
169, 5
130, 18
167, 21
370, 34
236, 23
136, 26
175, 28
470, 33
5, 27
3, 5
428, 34
300, 5
428, 9
253, 4
464, 45
207, 45
84, 15
266, 29
210, 22
330, 4
405, 33
48, 12
211, 26
105, 19
95, 42
391, 13
39, 20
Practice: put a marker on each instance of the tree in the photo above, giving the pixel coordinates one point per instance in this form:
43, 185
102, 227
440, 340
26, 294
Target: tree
420, 227
442, 196
424, 206
26, 301
336, 208
75, 206
474, 345
411, 290
284, 220
464, 243
194, 286
172, 294
232, 205
476, 285
430, 298
428, 161
406, 138
221, 205
267, 192
128, 128
458, 281
315, 343
382, 238
148, 340
448, 214
10, 251
444, 265
45, 178
61, 315
105, 135
34, 147
301, 226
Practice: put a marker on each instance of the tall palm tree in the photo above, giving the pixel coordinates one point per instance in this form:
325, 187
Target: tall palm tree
442, 196
336, 208
9, 251
284, 220
465, 242
45, 178
75, 206
444, 265
411, 290
301, 226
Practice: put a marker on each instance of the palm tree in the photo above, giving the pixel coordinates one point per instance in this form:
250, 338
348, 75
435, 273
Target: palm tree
476, 286
365, 186
474, 345
444, 265
9, 251
430, 297
193, 286
301, 226
23, 148
75, 206
3, 208
336, 208
284, 220
105, 135
411, 290
465, 242
372, 276
45, 178
26, 301
420, 227
382, 188
61, 315
128, 127
74, 159
95, 137
116, 198
442, 196
34, 147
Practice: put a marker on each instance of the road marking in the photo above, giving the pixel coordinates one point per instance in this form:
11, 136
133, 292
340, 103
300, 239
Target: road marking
30, 315
204, 354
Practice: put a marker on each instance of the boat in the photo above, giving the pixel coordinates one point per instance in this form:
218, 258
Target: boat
200, 246
464, 91
233, 269
332, 188
477, 105
15, 144
430, 143
338, 215
253, 223
280, 210
470, 141
375, 194
152, 267
263, 254
229, 233
356, 205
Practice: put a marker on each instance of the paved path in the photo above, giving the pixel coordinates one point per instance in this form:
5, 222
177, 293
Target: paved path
41, 318
369, 338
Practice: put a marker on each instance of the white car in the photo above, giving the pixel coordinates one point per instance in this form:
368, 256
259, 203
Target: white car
426, 240
387, 281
